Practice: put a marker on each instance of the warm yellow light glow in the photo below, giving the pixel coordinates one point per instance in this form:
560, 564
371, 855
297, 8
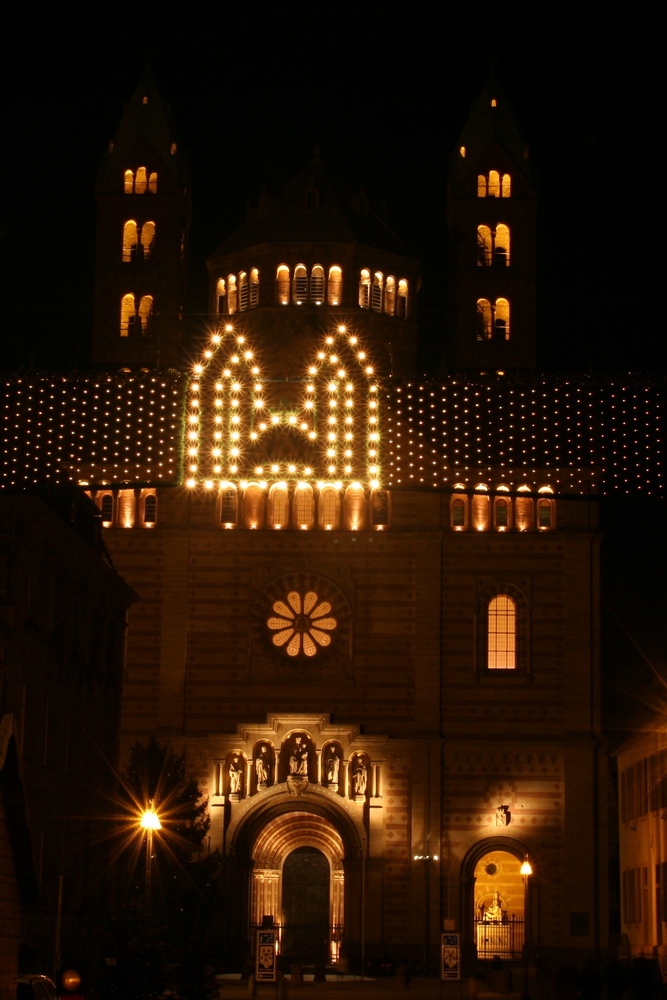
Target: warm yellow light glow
150, 820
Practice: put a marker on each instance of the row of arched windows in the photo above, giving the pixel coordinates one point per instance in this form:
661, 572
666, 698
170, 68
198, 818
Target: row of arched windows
493, 185
302, 509
480, 511
127, 508
493, 246
138, 241
493, 319
135, 319
140, 181
237, 293
383, 295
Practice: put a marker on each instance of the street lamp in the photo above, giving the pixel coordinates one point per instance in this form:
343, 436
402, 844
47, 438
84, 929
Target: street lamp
427, 860
150, 821
526, 871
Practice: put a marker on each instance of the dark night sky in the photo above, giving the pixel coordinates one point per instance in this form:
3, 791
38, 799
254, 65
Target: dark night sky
385, 96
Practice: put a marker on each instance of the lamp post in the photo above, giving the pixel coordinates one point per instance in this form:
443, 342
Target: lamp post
150, 821
526, 871
426, 860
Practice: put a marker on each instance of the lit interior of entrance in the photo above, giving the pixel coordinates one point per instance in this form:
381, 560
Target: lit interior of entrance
499, 905
298, 880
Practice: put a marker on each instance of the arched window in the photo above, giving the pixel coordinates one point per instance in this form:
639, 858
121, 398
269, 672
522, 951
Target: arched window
130, 240
150, 509
481, 186
524, 509
278, 506
106, 507
152, 183
355, 507
128, 182
253, 506
377, 290
127, 315
147, 239
494, 184
303, 507
317, 285
403, 299
125, 509
220, 296
501, 322
502, 513
390, 296
231, 294
501, 633
484, 319
459, 510
502, 245
254, 288
145, 313
484, 246
328, 507
140, 181
228, 506
300, 293
507, 186
380, 508
365, 288
335, 290
243, 291
480, 508
282, 285
545, 509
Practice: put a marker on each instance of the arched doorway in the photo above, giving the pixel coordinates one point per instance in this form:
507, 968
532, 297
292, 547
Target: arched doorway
305, 905
499, 905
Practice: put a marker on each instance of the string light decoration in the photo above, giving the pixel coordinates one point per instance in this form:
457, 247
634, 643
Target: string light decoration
237, 432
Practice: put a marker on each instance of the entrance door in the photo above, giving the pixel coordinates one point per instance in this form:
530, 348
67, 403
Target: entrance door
499, 906
305, 906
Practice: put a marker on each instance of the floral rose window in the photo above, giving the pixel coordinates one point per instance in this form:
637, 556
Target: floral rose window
301, 623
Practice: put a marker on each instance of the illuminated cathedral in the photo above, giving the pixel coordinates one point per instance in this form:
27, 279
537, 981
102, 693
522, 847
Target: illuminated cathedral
367, 598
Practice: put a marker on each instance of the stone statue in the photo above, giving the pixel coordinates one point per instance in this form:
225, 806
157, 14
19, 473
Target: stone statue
333, 767
359, 777
262, 766
235, 775
494, 910
298, 762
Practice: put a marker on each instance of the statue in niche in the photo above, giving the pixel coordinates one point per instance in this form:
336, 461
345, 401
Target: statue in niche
494, 911
235, 775
333, 767
262, 764
298, 762
359, 777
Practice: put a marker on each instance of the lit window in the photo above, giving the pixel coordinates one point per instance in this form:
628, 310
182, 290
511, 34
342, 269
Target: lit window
317, 285
328, 508
390, 296
130, 239
507, 186
484, 246
150, 509
481, 186
501, 633
254, 288
128, 182
494, 184
484, 319
127, 316
147, 241
335, 290
355, 508
403, 299
106, 508
278, 507
501, 322
459, 513
502, 246
152, 183
228, 506
376, 294
243, 291
502, 514
140, 181
145, 313
231, 294
300, 283
220, 296
545, 509
303, 507
365, 288
282, 285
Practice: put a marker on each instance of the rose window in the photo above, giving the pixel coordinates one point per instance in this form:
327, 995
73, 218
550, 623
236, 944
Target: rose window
301, 623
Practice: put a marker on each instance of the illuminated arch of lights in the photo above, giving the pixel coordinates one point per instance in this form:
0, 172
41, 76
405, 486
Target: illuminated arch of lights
235, 431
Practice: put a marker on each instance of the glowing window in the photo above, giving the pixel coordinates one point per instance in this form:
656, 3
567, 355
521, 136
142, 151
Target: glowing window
328, 507
376, 293
544, 514
502, 246
130, 240
390, 296
150, 509
317, 285
152, 183
501, 322
282, 285
507, 186
300, 283
355, 508
403, 299
254, 288
220, 296
140, 181
279, 507
128, 182
484, 247
380, 507
107, 508
147, 241
303, 507
127, 316
484, 319
494, 184
459, 512
228, 506
253, 506
145, 312
502, 513
335, 290
481, 186
231, 294
365, 288
243, 291
501, 633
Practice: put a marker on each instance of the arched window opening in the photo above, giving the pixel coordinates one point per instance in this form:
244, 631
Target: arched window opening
106, 507
147, 240
484, 319
220, 296
380, 508
303, 507
480, 508
152, 183
502, 514
150, 509
378, 288
127, 316
253, 506
502, 246
231, 294
403, 299
140, 181
484, 247
145, 313
355, 508
125, 509
228, 506
335, 286
282, 285
481, 186
501, 323
278, 507
501, 633
494, 184
365, 288
254, 288
390, 296
507, 186
130, 240
300, 284
524, 509
544, 515
243, 291
459, 513
328, 508
128, 182
317, 285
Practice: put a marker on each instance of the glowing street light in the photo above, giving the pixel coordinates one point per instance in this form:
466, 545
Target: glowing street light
526, 871
150, 821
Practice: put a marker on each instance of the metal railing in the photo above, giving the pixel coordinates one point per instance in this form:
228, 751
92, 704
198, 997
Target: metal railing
502, 938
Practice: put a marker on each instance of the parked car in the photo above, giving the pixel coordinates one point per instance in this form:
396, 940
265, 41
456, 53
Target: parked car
31, 986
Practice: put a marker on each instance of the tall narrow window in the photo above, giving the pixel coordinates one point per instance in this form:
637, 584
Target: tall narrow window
494, 184
243, 291
140, 181
328, 507
128, 182
150, 509
501, 650
220, 296
501, 322
127, 315
106, 508
502, 514
480, 508
282, 285
507, 185
145, 312
303, 507
130, 239
378, 288
484, 319
365, 288
152, 183
254, 288
317, 285
231, 294
279, 507
481, 186
335, 289
403, 299
458, 513
502, 247
484, 247
228, 506
390, 296
355, 507
300, 284
147, 239
524, 509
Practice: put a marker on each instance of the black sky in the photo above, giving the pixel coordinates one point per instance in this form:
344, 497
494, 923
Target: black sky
385, 95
